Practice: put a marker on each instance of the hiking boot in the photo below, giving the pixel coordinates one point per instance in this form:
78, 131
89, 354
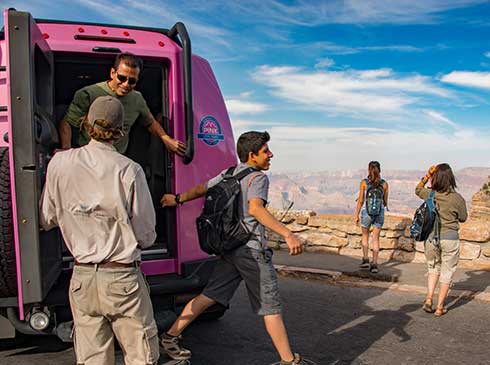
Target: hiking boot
296, 361
374, 268
171, 346
365, 265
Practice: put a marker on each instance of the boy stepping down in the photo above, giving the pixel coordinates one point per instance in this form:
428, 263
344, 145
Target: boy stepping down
251, 262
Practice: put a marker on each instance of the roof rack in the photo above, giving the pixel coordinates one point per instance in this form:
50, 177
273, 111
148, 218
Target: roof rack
151, 29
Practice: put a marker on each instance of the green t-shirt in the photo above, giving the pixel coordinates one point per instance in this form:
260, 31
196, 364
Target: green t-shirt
135, 109
451, 207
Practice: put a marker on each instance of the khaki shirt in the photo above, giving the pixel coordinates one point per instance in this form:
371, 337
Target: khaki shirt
135, 110
451, 207
101, 202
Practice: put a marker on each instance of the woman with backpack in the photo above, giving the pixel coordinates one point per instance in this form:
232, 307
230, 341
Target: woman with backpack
442, 248
373, 191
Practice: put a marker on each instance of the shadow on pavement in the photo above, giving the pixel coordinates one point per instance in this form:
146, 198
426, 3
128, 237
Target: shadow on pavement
475, 281
368, 328
353, 328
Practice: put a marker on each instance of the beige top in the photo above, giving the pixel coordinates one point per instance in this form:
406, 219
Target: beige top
101, 202
451, 207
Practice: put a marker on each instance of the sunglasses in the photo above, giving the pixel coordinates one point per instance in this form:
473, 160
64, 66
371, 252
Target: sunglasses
130, 80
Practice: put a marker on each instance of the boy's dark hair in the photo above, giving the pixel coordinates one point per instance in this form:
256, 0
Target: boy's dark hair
443, 179
129, 59
251, 142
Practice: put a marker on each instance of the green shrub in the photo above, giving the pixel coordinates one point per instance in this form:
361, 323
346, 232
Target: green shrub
486, 188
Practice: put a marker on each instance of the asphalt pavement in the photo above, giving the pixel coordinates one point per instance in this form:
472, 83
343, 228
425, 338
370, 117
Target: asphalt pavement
328, 324
392, 274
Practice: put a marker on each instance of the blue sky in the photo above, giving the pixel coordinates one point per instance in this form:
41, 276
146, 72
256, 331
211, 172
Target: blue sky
336, 83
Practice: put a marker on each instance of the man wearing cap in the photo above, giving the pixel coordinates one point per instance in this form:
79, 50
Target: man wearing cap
123, 78
101, 202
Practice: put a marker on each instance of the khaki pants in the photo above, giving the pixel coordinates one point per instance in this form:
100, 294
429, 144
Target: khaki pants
442, 259
108, 302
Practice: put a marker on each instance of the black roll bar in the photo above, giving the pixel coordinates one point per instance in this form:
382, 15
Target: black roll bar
179, 30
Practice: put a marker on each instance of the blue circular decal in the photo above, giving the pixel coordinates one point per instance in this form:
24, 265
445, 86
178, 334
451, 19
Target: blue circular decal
210, 131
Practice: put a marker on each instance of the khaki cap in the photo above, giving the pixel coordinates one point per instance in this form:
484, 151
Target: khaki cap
106, 108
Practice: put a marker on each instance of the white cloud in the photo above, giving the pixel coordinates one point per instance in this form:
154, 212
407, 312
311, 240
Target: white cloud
468, 78
339, 49
374, 74
379, 94
151, 12
236, 106
303, 134
300, 148
111, 11
315, 13
487, 54
398, 48
324, 63
330, 47
243, 125
439, 117
240, 126
246, 94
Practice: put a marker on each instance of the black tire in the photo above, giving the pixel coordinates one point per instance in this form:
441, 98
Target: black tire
8, 273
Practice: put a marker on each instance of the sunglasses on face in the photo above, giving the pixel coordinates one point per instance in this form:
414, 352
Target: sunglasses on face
130, 80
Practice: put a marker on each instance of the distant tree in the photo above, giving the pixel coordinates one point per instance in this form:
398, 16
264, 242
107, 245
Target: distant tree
486, 188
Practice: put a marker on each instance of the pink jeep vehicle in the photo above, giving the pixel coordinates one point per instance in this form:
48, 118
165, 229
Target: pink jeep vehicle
42, 64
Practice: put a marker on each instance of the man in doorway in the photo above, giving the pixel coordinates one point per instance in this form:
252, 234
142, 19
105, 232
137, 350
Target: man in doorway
123, 78
251, 262
101, 202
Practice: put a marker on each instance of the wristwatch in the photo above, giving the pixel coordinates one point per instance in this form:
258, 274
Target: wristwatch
177, 199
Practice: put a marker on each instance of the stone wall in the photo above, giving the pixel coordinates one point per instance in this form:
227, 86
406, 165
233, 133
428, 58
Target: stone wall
338, 234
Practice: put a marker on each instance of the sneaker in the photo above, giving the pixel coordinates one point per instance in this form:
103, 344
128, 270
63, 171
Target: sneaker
374, 268
296, 361
173, 349
365, 264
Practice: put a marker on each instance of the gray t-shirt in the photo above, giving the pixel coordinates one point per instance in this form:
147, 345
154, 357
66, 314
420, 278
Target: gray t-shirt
254, 185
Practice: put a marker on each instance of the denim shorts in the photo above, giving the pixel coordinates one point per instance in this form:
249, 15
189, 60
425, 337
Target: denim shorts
368, 221
255, 268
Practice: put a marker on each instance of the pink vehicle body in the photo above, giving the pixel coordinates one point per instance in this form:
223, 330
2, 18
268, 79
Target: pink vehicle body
42, 63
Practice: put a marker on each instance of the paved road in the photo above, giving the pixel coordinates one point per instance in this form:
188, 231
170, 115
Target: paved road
408, 273
328, 324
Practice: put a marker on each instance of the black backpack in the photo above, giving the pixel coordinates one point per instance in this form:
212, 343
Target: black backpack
374, 198
220, 226
425, 220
